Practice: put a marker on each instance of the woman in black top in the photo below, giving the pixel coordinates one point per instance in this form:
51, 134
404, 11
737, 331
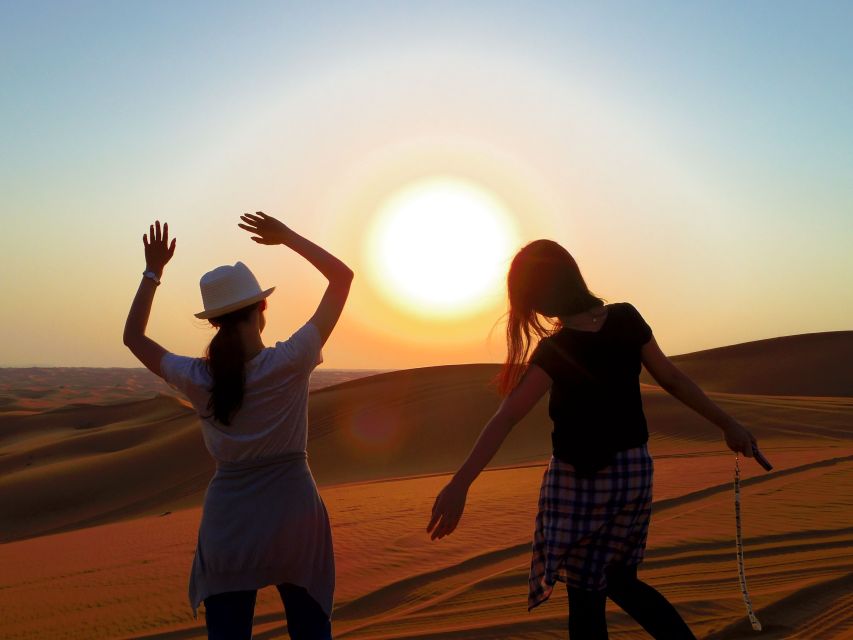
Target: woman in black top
595, 501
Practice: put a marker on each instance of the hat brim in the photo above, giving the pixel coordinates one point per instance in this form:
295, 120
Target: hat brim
221, 311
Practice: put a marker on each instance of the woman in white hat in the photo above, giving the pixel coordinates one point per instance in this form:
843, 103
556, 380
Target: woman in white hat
263, 522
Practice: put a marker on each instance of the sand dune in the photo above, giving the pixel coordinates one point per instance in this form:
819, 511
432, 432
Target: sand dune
378, 447
395, 583
87, 465
82, 464
811, 364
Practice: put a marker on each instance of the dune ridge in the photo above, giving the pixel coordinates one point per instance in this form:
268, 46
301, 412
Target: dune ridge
809, 364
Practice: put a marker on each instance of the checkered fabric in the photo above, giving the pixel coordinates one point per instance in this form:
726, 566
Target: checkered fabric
588, 523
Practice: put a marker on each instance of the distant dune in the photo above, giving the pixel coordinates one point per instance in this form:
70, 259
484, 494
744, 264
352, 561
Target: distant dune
42, 388
811, 364
378, 446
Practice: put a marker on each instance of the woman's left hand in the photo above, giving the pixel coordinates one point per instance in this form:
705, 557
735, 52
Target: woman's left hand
267, 230
447, 510
158, 251
739, 439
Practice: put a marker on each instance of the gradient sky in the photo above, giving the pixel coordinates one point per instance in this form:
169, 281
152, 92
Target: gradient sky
697, 159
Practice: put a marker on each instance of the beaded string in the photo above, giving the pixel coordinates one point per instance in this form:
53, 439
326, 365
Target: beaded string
756, 625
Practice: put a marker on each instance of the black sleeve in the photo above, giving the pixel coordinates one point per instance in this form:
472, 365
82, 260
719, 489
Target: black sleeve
639, 330
546, 358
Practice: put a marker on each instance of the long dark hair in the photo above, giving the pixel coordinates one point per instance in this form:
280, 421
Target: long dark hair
543, 282
226, 361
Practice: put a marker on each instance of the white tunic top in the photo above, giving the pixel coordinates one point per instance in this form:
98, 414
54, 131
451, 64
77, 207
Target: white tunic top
263, 521
273, 418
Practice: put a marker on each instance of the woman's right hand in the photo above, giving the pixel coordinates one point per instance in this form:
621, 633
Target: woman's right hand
447, 510
267, 229
739, 439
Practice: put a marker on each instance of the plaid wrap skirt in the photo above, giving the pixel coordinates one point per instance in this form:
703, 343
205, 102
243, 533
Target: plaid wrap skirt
586, 524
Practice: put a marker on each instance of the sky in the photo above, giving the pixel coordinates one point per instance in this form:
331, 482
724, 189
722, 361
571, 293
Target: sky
695, 158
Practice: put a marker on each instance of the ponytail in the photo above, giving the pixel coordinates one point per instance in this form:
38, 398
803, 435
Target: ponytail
226, 362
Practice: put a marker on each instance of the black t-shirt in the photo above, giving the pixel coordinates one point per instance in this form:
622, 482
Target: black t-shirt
595, 394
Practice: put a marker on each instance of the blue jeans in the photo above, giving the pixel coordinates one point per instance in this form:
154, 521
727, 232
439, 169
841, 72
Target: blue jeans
229, 615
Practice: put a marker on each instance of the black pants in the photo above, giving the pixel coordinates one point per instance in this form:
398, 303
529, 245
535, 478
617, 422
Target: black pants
229, 615
640, 601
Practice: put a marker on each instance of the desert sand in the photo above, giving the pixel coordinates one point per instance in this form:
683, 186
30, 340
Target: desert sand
101, 482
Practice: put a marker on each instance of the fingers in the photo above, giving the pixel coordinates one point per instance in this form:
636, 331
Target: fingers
435, 526
436, 513
451, 527
252, 225
443, 521
744, 446
433, 521
445, 527
750, 444
251, 228
156, 234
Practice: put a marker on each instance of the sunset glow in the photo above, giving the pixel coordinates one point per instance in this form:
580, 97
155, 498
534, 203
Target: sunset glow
552, 120
440, 246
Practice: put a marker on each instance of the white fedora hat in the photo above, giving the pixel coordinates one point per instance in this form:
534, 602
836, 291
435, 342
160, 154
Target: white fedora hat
228, 288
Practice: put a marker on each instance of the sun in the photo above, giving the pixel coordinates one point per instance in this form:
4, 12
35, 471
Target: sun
441, 247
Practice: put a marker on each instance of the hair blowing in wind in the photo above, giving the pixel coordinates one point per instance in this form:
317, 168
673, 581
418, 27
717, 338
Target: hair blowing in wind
544, 281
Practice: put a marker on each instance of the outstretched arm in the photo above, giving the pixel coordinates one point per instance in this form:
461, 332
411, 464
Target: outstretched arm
268, 230
158, 252
681, 386
451, 501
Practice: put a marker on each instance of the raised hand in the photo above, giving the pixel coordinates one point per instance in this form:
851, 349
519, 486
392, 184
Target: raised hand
158, 251
267, 229
447, 510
